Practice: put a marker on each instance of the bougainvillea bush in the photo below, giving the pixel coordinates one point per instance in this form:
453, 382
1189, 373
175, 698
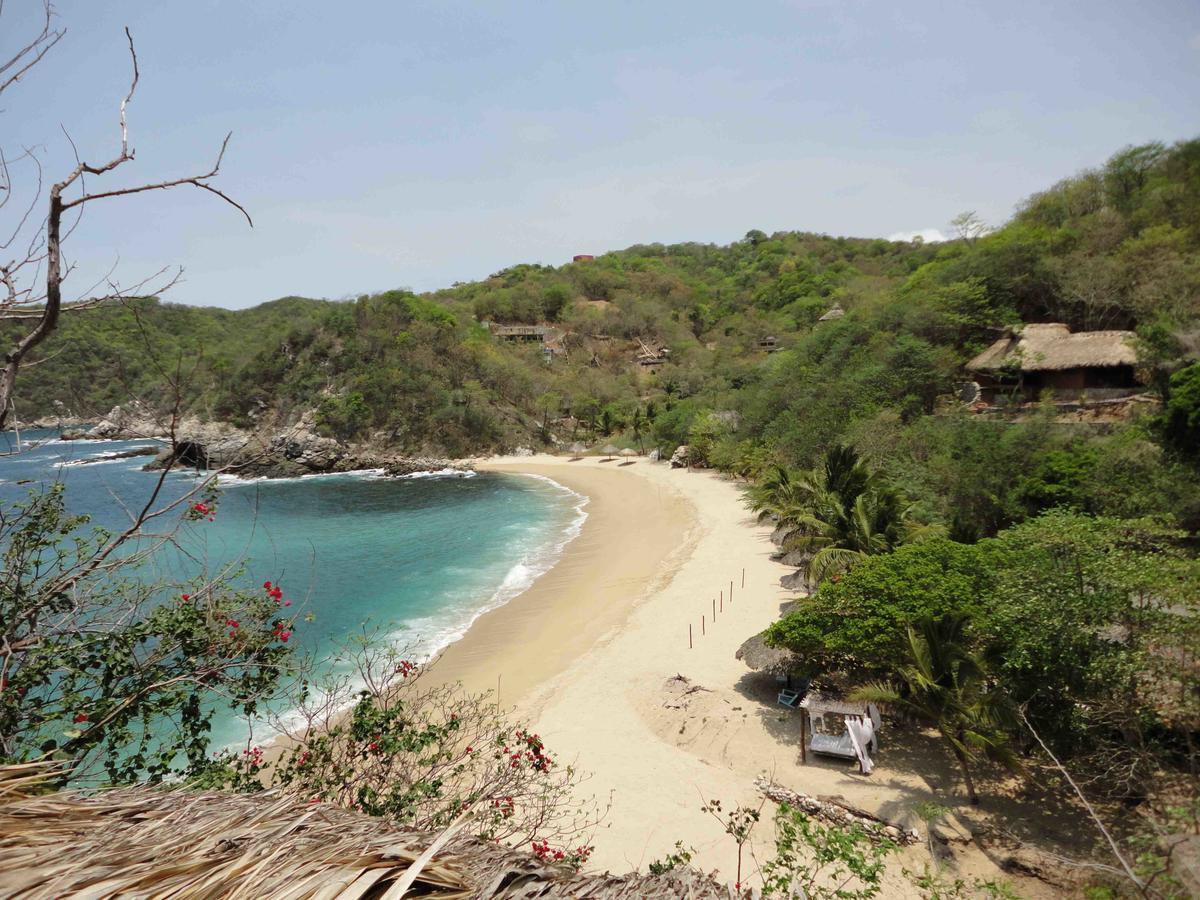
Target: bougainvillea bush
113, 673
386, 738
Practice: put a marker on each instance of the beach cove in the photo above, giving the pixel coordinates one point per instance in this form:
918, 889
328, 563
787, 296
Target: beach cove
589, 656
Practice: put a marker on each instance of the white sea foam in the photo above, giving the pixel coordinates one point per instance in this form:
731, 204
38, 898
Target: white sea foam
232, 480
84, 441
436, 633
440, 473
99, 459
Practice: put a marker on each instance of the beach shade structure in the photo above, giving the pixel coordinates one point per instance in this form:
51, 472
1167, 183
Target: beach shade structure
577, 450
609, 451
769, 660
148, 842
628, 453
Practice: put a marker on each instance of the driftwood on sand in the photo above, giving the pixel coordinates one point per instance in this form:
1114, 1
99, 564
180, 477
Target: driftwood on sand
837, 811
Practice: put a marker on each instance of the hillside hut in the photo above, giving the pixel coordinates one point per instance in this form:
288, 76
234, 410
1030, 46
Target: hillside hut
149, 842
834, 312
769, 344
1034, 359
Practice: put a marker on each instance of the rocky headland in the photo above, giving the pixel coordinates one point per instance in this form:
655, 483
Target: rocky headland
282, 452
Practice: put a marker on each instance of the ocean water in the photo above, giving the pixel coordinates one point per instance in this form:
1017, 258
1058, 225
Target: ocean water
417, 559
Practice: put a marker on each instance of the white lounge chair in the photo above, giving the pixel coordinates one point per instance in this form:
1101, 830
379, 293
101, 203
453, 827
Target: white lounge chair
789, 698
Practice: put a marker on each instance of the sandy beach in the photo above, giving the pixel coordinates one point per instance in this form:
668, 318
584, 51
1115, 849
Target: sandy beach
589, 656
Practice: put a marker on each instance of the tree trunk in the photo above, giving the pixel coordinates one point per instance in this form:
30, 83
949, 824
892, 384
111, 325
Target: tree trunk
966, 770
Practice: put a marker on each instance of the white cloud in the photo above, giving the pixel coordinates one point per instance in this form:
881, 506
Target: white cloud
928, 235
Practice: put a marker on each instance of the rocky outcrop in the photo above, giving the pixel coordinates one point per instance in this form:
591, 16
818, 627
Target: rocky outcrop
794, 558
681, 456
289, 452
796, 581
780, 534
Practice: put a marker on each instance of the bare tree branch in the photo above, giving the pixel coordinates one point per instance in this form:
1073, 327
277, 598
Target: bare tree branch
19, 299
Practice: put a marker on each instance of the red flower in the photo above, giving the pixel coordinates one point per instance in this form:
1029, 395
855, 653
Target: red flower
266, 585
81, 717
185, 597
284, 635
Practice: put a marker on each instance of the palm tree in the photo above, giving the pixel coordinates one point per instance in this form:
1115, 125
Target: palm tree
637, 424
839, 512
838, 535
946, 685
774, 494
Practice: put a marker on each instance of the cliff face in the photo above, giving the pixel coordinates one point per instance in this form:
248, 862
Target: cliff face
267, 452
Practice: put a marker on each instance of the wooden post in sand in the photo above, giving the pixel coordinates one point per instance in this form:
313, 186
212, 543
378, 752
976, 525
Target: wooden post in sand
715, 609
743, 576
731, 592
689, 635
702, 631
722, 604
803, 738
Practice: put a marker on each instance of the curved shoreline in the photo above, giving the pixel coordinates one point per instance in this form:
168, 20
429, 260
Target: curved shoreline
517, 648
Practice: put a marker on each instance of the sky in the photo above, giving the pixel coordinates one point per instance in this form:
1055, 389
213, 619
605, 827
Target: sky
380, 145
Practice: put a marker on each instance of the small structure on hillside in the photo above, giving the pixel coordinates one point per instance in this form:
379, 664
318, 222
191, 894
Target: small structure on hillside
651, 355
1037, 358
519, 332
551, 338
582, 257
769, 344
834, 312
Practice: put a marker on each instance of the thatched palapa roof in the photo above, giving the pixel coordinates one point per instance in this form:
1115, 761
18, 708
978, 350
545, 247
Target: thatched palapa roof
755, 653
156, 843
1052, 346
834, 312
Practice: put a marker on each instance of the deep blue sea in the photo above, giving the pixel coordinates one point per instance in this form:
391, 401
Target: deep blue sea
419, 558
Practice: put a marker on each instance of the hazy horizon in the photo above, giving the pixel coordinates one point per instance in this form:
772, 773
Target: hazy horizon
418, 146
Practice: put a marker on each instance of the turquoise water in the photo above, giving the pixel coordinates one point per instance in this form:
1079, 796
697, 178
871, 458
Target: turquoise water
418, 558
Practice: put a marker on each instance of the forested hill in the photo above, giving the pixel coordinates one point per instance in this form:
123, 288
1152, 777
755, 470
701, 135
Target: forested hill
1115, 247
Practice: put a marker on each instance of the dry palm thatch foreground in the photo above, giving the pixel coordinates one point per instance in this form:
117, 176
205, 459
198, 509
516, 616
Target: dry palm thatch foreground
153, 842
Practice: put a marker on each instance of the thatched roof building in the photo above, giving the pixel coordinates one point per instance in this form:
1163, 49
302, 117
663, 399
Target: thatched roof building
834, 312
755, 653
1050, 357
153, 842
